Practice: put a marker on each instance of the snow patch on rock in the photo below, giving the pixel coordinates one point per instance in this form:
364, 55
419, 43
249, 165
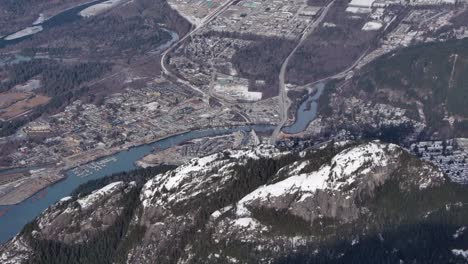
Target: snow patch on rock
459, 232
216, 214
246, 222
188, 180
17, 251
461, 253
66, 198
341, 171
90, 199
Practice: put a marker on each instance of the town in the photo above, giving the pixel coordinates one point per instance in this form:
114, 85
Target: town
449, 155
228, 93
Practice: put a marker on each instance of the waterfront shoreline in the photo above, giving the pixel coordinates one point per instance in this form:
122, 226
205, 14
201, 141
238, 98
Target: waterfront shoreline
17, 216
90, 157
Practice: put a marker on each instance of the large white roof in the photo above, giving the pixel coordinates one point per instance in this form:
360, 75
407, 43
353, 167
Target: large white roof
361, 3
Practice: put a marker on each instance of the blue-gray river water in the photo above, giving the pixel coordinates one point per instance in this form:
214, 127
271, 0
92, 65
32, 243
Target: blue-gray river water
67, 16
306, 113
16, 216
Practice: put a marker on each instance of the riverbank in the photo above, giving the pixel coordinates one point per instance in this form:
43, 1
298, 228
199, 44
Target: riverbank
18, 191
50, 14
46, 21
24, 33
99, 8
306, 112
16, 216
21, 190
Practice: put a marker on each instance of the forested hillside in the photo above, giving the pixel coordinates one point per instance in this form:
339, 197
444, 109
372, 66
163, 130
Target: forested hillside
345, 203
62, 83
434, 75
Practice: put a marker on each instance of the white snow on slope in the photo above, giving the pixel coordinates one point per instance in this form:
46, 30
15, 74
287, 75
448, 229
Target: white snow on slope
303, 182
195, 165
66, 198
255, 153
218, 213
90, 199
342, 170
351, 160
189, 179
459, 232
18, 251
298, 167
460, 252
246, 222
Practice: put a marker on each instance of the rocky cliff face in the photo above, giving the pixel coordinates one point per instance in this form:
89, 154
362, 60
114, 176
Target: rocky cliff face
248, 206
79, 220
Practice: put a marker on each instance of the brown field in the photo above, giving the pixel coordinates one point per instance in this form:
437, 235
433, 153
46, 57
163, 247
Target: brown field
11, 177
7, 99
21, 107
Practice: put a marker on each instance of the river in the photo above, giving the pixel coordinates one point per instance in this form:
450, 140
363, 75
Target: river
14, 217
66, 16
306, 112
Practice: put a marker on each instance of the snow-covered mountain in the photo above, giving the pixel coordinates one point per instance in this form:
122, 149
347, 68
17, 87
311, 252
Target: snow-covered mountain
260, 205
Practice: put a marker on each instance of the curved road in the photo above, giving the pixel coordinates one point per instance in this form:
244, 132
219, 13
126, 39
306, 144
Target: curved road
285, 103
210, 17
339, 75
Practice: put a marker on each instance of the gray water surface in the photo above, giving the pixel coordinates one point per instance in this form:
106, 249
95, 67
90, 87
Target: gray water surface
66, 16
16, 216
307, 112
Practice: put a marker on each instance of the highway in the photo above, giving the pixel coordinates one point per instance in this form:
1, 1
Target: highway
339, 75
284, 101
210, 17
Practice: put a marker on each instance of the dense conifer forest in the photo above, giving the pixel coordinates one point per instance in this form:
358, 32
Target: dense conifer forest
414, 226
